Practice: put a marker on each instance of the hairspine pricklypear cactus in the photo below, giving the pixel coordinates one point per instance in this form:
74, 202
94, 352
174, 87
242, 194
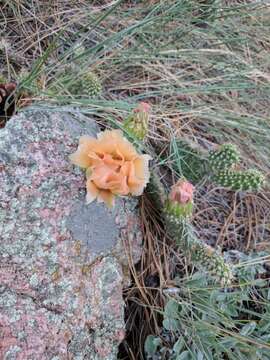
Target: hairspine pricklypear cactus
222, 163
240, 180
224, 158
178, 210
90, 85
86, 84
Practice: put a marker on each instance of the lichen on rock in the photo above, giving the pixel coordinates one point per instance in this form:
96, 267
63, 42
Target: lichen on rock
61, 272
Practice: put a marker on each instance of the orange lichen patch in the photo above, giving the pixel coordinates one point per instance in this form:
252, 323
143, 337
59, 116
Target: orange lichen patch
113, 166
182, 192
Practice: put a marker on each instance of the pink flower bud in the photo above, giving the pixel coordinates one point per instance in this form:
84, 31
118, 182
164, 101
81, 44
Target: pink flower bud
142, 107
182, 192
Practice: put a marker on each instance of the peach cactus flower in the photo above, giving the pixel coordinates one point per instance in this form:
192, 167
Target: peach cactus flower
182, 192
113, 166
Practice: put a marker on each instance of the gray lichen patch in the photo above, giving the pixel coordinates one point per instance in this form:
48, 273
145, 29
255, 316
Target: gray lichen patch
94, 225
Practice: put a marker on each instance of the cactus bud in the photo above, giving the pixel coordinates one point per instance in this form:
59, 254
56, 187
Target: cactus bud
180, 201
137, 123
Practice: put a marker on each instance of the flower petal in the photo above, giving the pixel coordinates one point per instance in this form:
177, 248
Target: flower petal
114, 134
182, 192
86, 139
127, 150
141, 164
118, 184
92, 191
95, 159
80, 158
107, 197
112, 162
100, 175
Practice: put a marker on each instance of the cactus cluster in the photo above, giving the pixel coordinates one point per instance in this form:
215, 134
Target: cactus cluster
91, 85
210, 259
177, 210
202, 255
222, 163
88, 84
177, 207
77, 83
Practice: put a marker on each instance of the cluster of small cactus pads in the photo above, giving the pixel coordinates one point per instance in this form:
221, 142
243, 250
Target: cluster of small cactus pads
201, 255
222, 163
177, 210
219, 165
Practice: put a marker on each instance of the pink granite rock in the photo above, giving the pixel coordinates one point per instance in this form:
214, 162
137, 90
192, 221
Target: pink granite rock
61, 261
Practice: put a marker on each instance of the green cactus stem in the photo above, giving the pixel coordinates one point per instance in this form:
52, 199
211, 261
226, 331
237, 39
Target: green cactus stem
179, 210
136, 127
2, 79
224, 158
240, 180
202, 255
156, 190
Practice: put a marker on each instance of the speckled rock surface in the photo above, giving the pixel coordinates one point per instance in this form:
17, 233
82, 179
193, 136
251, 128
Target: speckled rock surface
61, 261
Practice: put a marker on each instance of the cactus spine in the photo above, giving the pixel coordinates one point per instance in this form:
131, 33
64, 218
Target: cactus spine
88, 84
